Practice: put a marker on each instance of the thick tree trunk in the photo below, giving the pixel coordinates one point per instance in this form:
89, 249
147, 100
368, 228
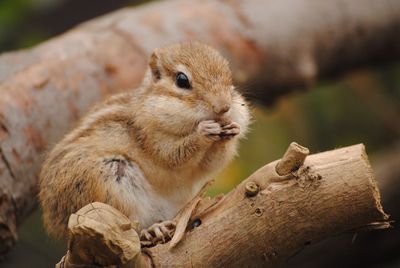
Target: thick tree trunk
262, 222
271, 44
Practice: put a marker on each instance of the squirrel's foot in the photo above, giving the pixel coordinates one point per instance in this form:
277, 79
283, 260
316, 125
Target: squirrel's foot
158, 233
210, 129
230, 130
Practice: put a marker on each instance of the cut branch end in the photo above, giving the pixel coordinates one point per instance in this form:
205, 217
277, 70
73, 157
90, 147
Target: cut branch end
292, 159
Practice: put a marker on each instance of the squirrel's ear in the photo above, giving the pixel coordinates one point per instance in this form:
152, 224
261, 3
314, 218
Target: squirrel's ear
155, 65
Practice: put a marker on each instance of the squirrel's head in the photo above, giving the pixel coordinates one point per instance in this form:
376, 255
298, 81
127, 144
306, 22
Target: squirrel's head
191, 82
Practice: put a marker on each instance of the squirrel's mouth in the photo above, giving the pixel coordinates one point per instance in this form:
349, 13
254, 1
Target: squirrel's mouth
222, 119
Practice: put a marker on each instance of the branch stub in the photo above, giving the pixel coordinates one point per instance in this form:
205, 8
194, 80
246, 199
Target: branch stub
292, 159
252, 189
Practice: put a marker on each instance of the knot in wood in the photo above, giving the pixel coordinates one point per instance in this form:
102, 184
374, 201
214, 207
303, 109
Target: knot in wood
252, 189
259, 212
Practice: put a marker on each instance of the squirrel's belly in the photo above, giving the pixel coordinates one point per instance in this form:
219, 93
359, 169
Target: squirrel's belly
133, 190
154, 209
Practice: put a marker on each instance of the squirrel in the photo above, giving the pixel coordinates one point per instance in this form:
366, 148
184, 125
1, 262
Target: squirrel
148, 152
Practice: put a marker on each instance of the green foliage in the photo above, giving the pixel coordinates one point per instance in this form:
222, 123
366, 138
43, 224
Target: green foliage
12, 14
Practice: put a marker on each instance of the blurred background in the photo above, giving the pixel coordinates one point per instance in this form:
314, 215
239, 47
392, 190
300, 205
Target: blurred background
360, 107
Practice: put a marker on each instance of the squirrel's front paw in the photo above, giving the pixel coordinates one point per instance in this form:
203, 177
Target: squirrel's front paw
230, 130
210, 129
158, 233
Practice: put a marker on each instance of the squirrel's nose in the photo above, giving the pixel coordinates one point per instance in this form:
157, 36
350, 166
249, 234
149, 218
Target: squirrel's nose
221, 108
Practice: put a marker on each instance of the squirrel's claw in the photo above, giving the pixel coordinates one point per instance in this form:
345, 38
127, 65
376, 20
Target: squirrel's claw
210, 129
158, 233
230, 130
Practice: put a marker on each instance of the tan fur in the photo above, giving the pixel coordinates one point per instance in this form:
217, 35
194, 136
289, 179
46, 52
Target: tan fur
143, 152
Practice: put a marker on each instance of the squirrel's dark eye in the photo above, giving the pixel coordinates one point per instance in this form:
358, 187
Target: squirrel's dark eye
182, 81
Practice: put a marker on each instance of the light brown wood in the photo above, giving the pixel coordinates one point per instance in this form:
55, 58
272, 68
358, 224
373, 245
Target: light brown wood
184, 215
386, 167
331, 193
292, 159
100, 235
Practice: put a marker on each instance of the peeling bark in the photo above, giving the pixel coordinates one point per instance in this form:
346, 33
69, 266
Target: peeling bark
272, 45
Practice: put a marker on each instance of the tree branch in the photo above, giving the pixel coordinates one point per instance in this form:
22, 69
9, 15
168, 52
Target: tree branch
45, 89
288, 212
364, 249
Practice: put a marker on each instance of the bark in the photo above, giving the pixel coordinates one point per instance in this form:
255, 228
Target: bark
272, 45
101, 235
262, 222
372, 249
